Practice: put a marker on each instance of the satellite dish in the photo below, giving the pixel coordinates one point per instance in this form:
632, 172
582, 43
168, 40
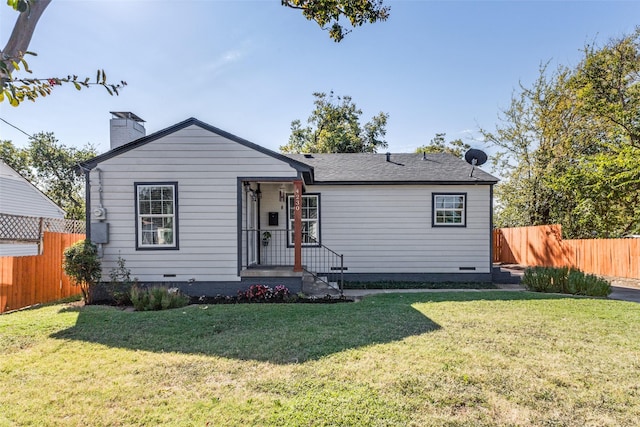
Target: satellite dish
475, 157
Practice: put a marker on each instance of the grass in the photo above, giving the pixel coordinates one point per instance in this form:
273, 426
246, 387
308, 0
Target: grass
436, 359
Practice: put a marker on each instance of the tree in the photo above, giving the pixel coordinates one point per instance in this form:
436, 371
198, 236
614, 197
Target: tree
82, 265
16, 158
329, 14
334, 127
50, 166
570, 151
606, 87
439, 144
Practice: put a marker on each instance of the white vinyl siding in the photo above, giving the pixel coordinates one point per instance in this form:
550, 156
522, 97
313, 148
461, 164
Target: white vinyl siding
18, 249
387, 229
206, 168
19, 197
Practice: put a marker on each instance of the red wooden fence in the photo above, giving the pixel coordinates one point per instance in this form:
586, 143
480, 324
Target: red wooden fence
543, 246
29, 280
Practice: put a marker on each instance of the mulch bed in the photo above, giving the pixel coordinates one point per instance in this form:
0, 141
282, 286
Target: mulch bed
221, 299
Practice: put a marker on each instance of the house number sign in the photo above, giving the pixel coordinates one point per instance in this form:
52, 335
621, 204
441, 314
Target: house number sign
297, 201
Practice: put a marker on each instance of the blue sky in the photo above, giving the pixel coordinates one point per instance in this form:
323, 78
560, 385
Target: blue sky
250, 67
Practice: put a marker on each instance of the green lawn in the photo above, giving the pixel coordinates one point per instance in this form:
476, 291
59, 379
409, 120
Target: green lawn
442, 359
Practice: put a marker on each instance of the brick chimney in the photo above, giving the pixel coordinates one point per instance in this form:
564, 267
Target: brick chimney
125, 127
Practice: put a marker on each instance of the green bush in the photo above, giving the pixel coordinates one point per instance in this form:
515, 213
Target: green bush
564, 280
587, 284
82, 265
157, 298
119, 287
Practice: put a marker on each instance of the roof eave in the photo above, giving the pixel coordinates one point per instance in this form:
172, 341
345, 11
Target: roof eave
417, 182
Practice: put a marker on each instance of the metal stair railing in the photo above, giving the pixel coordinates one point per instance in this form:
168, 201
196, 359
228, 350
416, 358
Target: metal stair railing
274, 249
323, 263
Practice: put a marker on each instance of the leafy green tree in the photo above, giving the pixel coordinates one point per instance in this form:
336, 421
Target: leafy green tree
334, 127
439, 144
569, 146
82, 265
329, 13
50, 166
16, 158
522, 197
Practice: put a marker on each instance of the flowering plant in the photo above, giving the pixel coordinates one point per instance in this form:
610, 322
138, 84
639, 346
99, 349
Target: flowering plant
261, 293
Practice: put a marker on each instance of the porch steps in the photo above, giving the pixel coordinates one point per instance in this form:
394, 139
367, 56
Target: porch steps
268, 271
506, 274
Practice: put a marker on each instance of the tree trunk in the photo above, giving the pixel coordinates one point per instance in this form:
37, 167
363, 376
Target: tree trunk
22, 33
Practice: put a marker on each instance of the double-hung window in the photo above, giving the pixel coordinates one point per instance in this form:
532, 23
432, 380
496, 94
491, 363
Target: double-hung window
310, 207
157, 215
449, 210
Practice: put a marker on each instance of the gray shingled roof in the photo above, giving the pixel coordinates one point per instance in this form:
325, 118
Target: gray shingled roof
402, 168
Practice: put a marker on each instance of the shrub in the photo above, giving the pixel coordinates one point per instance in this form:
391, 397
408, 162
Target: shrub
546, 279
157, 298
82, 265
588, 284
120, 285
564, 280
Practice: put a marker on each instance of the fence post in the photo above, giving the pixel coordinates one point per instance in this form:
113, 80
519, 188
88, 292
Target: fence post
40, 235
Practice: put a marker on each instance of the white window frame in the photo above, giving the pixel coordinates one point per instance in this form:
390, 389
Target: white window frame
142, 242
447, 207
309, 221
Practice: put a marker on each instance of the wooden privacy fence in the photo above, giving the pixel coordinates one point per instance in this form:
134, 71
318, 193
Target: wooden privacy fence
543, 246
29, 280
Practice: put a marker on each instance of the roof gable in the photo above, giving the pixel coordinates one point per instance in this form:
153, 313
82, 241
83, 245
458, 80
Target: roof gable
90, 164
18, 196
363, 168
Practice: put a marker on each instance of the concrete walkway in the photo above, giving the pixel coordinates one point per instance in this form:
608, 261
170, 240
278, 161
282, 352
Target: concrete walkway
623, 292
359, 293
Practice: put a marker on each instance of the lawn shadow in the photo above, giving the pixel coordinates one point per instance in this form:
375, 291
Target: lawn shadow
276, 333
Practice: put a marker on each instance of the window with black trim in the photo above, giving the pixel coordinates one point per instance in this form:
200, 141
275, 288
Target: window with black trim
157, 215
449, 210
310, 219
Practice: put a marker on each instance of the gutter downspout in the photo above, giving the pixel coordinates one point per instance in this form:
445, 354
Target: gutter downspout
491, 254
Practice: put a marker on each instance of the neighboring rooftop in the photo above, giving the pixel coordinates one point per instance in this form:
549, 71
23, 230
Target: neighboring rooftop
403, 167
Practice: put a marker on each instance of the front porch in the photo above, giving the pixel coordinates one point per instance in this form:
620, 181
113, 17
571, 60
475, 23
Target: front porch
321, 268
280, 234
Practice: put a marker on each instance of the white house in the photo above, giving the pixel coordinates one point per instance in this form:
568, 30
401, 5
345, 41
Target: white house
18, 199
196, 207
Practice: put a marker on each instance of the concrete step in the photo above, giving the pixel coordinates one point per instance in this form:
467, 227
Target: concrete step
506, 275
315, 287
